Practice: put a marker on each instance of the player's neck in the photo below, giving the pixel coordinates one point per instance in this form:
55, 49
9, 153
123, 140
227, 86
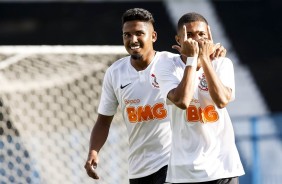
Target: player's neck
143, 62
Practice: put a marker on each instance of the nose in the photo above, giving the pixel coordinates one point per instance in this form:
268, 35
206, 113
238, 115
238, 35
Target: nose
197, 37
134, 38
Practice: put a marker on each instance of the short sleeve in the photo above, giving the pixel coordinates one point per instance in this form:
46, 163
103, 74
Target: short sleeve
225, 71
166, 73
108, 102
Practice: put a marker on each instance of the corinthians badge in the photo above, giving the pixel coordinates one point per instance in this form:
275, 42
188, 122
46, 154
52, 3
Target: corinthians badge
153, 80
203, 85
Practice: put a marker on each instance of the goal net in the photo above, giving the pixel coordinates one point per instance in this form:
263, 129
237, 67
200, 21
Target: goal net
48, 106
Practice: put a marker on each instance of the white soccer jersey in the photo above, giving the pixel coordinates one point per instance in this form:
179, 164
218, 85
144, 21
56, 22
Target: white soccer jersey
144, 112
203, 145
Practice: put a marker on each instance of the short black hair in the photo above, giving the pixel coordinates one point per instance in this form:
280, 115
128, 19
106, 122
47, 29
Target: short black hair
137, 14
190, 17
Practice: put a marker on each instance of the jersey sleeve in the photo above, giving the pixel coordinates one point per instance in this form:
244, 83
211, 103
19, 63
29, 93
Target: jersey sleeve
166, 73
226, 74
108, 102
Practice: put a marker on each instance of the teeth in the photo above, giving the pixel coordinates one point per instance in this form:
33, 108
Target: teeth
135, 47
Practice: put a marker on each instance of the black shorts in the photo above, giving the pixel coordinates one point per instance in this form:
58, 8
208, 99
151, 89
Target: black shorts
155, 178
234, 180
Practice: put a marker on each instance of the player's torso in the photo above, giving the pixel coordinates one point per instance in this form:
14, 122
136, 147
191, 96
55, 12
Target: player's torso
145, 116
201, 134
138, 93
201, 103
202, 122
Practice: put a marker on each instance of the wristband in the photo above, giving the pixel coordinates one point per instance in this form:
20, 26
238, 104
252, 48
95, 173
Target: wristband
192, 61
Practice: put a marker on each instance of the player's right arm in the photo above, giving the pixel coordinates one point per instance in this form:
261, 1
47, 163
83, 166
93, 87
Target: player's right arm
182, 95
98, 137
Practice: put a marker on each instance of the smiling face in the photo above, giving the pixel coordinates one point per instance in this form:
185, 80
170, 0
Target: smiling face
138, 38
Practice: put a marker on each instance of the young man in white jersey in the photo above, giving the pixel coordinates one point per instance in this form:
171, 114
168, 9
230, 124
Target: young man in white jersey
198, 89
130, 83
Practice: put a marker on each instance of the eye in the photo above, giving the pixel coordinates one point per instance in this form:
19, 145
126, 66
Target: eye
139, 33
189, 35
126, 35
203, 34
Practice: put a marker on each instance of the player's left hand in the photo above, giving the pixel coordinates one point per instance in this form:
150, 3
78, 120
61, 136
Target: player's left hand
91, 165
219, 50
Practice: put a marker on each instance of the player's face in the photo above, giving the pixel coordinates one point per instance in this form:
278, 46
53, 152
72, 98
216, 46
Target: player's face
138, 38
195, 30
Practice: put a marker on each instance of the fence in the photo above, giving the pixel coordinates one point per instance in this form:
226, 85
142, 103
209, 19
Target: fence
258, 139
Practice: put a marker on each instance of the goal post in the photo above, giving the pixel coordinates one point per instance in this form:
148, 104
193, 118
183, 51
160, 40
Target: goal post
48, 106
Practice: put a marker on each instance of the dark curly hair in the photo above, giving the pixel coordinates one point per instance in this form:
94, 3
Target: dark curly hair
190, 17
137, 14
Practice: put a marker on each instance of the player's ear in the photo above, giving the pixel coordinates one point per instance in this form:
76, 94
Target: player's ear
177, 39
154, 36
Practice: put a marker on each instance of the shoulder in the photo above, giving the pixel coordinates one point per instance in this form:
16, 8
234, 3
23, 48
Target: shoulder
222, 61
167, 55
119, 64
167, 58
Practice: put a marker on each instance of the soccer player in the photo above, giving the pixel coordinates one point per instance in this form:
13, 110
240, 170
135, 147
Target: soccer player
198, 90
130, 82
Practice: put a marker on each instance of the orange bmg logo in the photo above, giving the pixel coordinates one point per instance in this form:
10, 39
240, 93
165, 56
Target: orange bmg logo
146, 113
206, 115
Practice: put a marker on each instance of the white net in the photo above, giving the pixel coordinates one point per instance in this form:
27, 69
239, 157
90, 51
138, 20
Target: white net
48, 106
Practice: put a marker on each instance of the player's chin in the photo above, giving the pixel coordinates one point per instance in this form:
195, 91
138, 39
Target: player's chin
136, 56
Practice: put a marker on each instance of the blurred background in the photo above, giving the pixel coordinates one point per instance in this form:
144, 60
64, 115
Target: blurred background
53, 55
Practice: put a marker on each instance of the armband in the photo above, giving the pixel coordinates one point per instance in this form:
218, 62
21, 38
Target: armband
192, 61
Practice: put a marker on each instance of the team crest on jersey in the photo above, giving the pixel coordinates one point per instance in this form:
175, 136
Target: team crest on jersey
203, 85
153, 80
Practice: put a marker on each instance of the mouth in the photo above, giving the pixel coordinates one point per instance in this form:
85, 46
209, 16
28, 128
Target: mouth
134, 47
